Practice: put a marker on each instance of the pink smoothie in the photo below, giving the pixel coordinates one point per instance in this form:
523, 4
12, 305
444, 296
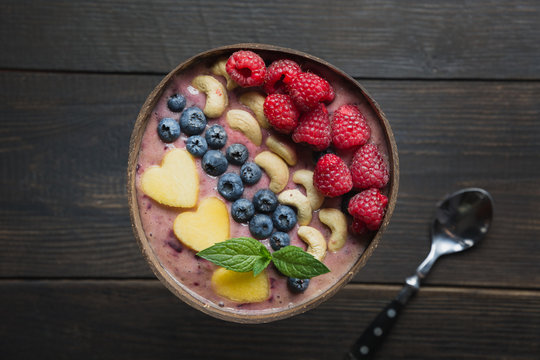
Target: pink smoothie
193, 273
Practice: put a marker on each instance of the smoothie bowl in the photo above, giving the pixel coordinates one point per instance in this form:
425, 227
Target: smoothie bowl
260, 181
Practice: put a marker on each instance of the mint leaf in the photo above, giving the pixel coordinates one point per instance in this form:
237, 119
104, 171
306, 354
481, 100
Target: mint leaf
294, 262
238, 254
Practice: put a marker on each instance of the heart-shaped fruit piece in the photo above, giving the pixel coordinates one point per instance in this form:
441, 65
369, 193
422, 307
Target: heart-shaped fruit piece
241, 287
202, 228
175, 182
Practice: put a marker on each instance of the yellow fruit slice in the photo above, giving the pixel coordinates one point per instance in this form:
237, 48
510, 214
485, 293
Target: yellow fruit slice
202, 228
173, 183
241, 287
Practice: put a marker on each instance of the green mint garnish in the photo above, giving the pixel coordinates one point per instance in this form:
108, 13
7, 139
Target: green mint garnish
247, 254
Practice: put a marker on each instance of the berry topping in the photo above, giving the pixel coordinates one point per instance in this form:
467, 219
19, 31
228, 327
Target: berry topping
246, 68
168, 130
316, 155
237, 154
214, 163
349, 127
281, 112
196, 145
176, 103
265, 201
216, 136
261, 226
358, 227
297, 285
284, 218
192, 121
230, 186
368, 168
280, 74
250, 173
345, 199
314, 128
279, 239
331, 176
368, 207
242, 210
307, 90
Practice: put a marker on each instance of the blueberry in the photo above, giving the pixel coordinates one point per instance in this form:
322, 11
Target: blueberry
214, 163
176, 103
250, 173
196, 145
261, 226
297, 285
279, 239
230, 186
237, 154
242, 210
192, 121
168, 130
319, 154
284, 218
216, 136
265, 201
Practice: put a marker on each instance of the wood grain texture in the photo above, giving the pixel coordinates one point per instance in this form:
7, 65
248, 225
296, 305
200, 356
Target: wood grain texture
63, 156
95, 319
425, 39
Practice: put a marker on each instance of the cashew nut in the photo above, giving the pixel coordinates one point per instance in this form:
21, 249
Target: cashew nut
219, 68
284, 150
276, 168
255, 101
337, 222
315, 240
300, 202
305, 178
243, 121
216, 95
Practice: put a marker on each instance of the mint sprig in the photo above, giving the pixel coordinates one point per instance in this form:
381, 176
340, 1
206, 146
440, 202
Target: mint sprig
247, 254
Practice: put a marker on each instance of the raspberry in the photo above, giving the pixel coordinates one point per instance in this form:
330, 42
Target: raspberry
279, 74
358, 227
331, 176
349, 127
368, 207
314, 128
281, 112
246, 68
368, 168
307, 90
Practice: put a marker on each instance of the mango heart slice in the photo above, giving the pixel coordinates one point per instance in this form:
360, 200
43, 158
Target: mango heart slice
202, 228
241, 287
175, 182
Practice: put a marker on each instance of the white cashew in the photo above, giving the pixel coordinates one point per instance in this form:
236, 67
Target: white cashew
305, 178
217, 99
300, 202
243, 121
219, 68
315, 240
276, 168
255, 101
284, 150
337, 222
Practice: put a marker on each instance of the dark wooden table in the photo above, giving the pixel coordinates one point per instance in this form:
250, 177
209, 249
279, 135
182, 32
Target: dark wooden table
459, 82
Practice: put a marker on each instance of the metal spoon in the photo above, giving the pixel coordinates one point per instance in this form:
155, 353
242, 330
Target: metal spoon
461, 220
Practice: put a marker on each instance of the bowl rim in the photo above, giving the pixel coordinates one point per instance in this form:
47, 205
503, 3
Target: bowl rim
164, 276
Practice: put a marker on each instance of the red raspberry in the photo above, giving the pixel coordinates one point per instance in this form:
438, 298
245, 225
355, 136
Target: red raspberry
246, 68
358, 227
331, 176
349, 127
281, 112
314, 128
308, 90
368, 168
368, 207
279, 74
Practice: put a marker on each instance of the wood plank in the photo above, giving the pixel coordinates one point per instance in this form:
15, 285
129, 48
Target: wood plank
390, 38
64, 150
72, 319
